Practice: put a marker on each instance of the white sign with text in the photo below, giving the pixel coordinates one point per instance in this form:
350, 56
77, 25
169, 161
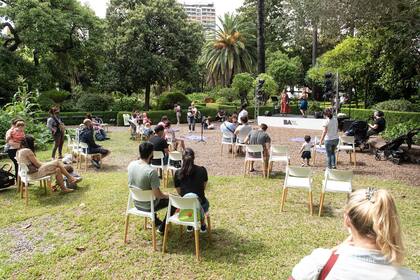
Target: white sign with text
298, 123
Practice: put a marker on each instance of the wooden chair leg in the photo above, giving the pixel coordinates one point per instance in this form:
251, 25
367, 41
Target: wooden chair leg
310, 203
245, 167
354, 158
209, 227
197, 244
165, 238
26, 194
181, 230
18, 184
45, 187
145, 223
22, 189
154, 236
321, 203
86, 159
336, 157
126, 228
283, 198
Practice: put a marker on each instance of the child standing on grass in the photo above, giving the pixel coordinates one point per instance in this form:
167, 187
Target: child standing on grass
306, 150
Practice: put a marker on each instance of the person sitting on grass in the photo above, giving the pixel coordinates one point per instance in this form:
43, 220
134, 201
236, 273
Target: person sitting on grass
38, 169
145, 177
192, 178
86, 136
260, 137
373, 250
305, 151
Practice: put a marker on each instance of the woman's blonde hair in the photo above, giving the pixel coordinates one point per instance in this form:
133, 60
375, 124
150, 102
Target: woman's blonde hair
374, 215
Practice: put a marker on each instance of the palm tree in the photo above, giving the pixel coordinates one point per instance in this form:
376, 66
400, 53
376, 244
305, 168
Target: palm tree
232, 51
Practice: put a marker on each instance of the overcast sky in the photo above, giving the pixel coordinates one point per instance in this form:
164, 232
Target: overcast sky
222, 6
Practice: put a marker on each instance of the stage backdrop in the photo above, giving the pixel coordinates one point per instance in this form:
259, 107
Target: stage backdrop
299, 123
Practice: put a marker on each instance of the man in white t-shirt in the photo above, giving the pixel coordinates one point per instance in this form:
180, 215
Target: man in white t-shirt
242, 131
242, 113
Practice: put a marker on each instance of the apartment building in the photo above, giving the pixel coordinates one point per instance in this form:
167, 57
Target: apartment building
203, 12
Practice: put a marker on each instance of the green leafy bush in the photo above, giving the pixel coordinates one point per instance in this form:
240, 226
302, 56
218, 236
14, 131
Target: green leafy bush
396, 105
392, 117
57, 96
400, 129
127, 103
99, 102
168, 99
226, 95
199, 97
314, 107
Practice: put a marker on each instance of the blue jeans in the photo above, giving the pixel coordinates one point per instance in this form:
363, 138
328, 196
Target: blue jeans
330, 147
191, 123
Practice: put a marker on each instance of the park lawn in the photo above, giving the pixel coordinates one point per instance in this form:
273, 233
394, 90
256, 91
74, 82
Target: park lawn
80, 235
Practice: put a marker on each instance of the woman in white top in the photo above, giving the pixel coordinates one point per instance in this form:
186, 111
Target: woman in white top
242, 113
330, 135
374, 249
242, 131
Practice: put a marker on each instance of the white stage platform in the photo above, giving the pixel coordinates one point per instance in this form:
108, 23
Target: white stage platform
292, 122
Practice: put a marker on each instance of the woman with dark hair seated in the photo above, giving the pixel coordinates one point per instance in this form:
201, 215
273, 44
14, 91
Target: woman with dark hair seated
192, 178
37, 169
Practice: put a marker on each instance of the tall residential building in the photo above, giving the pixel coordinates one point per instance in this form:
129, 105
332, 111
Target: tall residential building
203, 12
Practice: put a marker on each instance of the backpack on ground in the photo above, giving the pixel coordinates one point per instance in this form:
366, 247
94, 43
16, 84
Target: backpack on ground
7, 178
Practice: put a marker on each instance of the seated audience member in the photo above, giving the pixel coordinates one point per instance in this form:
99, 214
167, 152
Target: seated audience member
260, 137
192, 178
145, 119
160, 144
143, 176
229, 126
38, 169
243, 130
146, 130
170, 133
373, 250
242, 113
163, 121
207, 123
100, 133
379, 124
12, 146
86, 136
220, 116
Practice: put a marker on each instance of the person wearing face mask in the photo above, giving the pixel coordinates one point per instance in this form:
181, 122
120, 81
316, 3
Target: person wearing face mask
373, 250
56, 126
145, 177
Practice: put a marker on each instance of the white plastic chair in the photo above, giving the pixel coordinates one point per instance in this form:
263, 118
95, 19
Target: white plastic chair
126, 117
158, 155
83, 154
317, 150
24, 180
278, 153
71, 145
298, 178
254, 153
336, 181
174, 156
238, 143
140, 195
185, 203
347, 144
228, 139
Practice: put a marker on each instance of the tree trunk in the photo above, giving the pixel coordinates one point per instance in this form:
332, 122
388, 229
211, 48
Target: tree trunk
260, 37
147, 98
314, 43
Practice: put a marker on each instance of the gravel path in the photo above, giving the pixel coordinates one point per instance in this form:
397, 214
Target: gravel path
208, 155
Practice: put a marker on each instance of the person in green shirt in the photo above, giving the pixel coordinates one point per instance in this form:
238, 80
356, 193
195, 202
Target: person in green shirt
145, 177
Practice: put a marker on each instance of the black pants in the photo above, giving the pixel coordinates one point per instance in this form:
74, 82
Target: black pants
12, 156
163, 203
58, 144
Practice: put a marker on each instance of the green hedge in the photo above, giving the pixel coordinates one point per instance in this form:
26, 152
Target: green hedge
218, 106
75, 118
392, 117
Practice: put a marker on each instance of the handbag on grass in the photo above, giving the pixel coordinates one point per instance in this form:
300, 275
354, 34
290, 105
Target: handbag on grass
7, 178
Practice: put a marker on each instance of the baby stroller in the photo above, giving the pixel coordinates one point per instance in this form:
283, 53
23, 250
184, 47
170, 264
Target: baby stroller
358, 129
392, 150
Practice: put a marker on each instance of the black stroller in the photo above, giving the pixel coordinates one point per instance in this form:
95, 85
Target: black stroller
358, 129
392, 150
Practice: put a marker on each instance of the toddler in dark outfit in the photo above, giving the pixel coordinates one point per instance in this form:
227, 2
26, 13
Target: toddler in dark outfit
306, 150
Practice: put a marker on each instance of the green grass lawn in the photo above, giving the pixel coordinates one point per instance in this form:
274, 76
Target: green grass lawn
80, 235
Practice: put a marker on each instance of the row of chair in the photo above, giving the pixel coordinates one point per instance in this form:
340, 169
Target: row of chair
181, 203
301, 177
174, 164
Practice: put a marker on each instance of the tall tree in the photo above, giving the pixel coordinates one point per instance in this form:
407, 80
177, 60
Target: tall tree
232, 52
261, 36
149, 42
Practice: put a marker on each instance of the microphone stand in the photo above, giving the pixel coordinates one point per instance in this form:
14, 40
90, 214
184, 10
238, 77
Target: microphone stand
202, 131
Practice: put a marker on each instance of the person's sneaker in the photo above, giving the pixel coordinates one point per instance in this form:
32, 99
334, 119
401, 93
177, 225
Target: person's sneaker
190, 229
95, 163
303, 165
203, 228
160, 230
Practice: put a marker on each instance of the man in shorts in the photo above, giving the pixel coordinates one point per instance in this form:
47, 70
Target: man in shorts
87, 136
260, 137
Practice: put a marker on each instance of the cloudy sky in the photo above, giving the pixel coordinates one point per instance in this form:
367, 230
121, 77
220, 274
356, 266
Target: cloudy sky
222, 6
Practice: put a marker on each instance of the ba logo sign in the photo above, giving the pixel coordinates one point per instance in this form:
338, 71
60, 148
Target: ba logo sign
289, 122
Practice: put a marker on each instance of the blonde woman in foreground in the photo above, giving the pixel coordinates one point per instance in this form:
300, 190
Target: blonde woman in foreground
374, 249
